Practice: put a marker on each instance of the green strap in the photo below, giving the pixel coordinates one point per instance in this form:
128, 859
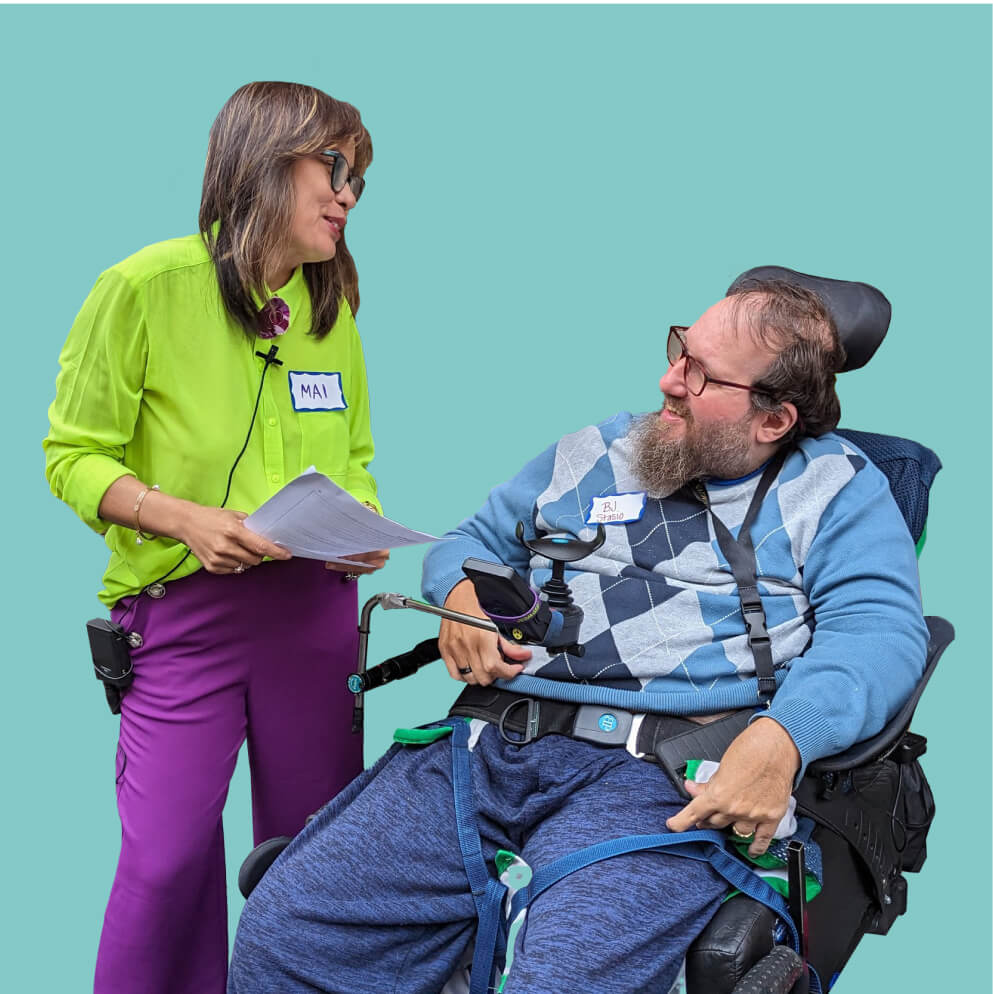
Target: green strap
920, 542
420, 736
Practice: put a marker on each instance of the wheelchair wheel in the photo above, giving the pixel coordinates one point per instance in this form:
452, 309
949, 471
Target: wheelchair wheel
776, 973
258, 861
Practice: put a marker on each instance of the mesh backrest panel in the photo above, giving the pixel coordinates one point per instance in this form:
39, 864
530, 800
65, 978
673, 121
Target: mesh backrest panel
910, 468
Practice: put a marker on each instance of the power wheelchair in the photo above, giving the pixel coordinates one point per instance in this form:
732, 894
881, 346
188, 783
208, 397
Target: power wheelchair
871, 806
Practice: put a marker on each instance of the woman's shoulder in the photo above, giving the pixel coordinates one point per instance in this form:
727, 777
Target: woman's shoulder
175, 254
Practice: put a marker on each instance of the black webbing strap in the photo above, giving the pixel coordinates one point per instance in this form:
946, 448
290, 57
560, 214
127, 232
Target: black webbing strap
740, 554
528, 718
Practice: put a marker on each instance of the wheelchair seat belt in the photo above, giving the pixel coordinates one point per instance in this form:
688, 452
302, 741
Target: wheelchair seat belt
488, 892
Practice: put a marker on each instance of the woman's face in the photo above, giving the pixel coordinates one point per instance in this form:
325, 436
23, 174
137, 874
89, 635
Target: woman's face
320, 214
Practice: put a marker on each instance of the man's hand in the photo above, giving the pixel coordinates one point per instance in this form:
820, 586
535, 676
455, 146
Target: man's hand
471, 654
751, 789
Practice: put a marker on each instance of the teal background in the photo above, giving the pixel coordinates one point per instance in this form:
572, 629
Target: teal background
552, 187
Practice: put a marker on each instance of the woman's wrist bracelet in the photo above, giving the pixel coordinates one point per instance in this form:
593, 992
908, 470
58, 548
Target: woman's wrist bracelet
139, 535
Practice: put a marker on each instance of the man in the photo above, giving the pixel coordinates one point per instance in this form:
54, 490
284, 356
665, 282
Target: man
752, 381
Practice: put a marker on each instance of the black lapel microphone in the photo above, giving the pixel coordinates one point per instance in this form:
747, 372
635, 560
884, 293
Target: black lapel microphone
270, 357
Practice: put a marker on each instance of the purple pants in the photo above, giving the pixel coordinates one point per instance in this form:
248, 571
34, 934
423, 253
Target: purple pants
261, 655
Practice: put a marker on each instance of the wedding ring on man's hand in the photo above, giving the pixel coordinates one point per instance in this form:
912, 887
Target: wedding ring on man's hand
465, 671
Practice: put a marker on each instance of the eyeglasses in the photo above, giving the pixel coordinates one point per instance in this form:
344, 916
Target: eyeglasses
695, 376
341, 173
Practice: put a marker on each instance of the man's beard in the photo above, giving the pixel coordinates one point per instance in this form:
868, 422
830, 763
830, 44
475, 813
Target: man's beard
664, 464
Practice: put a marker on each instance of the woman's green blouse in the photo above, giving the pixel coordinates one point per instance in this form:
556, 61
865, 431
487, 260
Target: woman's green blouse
158, 382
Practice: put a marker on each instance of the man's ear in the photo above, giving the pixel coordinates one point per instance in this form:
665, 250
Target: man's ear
773, 425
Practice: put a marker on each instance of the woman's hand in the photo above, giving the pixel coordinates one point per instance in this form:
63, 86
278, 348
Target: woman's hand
470, 654
373, 561
217, 536
221, 542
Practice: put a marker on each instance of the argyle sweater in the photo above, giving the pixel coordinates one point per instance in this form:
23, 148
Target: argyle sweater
662, 622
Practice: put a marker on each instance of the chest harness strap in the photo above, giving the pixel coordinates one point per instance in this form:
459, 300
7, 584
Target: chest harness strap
740, 554
488, 892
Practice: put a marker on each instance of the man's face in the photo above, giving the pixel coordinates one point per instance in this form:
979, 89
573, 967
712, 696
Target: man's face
714, 434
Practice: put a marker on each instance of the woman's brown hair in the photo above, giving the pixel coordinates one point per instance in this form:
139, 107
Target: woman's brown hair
247, 203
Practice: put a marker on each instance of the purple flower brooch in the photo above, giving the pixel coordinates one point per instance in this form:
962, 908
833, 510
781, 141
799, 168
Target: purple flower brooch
274, 318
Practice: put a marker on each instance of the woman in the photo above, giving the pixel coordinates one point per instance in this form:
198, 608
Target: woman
179, 407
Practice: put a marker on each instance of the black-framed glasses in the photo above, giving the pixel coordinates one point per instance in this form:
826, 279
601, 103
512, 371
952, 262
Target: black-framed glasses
341, 173
695, 375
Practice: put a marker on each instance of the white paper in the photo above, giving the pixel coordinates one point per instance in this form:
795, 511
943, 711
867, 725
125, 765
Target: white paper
315, 519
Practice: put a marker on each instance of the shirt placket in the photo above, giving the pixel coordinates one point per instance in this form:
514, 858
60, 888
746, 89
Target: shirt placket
272, 437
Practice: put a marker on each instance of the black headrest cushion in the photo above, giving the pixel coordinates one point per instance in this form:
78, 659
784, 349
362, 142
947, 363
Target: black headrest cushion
861, 313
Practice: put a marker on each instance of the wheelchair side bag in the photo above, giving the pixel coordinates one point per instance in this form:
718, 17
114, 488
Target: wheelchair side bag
872, 827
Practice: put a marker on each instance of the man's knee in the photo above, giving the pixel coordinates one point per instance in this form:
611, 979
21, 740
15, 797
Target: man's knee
620, 925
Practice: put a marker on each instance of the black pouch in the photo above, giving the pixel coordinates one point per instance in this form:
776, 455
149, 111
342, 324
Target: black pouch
883, 811
897, 786
897, 790
112, 666
702, 742
917, 806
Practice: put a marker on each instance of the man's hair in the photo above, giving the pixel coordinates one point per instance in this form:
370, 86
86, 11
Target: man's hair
260, 133
794, 323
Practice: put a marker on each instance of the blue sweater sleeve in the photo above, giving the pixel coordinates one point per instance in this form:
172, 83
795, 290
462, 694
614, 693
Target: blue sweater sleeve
489, 533
869, 645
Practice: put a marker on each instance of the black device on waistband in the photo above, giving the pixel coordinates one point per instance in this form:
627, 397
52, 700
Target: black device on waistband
110, 646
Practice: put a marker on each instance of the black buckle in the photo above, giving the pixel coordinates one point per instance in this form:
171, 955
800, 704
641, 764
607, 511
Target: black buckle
755, 624
530, 732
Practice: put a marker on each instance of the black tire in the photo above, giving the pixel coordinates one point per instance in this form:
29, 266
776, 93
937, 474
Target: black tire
258, 861
773, 974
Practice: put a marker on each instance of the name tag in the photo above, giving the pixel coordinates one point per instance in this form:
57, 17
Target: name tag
616, 509
316, 391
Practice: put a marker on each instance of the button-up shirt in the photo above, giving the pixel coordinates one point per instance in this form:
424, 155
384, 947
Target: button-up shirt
158, 382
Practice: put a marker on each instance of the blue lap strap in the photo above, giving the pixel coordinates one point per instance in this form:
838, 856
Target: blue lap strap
488, 892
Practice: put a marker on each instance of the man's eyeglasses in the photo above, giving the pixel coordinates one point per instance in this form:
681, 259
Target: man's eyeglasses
695, 376
341, 173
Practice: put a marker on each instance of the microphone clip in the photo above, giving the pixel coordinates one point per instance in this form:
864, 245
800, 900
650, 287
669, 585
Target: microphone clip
270, 356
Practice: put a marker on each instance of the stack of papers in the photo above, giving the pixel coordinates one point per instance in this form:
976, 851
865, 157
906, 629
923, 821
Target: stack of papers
315, 519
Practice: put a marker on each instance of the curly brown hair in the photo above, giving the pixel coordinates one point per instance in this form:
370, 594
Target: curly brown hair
793, 322
262, 130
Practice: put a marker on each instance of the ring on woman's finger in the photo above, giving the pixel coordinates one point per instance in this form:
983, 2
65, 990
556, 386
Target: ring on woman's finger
742, 835
240, 568
465, 670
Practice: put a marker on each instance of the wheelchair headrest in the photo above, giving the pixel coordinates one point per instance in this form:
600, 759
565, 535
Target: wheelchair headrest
860, 312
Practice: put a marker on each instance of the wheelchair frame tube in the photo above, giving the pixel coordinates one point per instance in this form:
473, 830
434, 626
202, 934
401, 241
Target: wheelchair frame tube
392, 602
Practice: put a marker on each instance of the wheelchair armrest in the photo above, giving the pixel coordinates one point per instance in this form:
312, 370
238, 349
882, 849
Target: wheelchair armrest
940, 635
